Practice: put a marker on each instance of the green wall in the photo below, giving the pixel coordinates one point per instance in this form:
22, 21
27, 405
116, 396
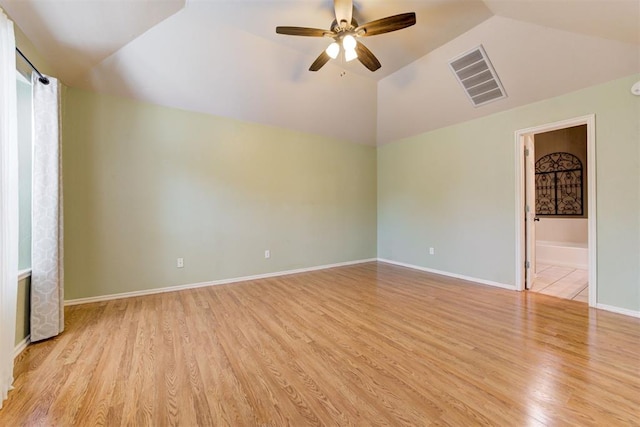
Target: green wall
144, 185
454, 189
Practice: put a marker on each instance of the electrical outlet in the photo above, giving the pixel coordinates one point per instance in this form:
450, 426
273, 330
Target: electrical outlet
267, 254
432, 251
180, 262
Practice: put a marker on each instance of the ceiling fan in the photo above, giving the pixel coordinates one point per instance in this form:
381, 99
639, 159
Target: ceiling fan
345, 31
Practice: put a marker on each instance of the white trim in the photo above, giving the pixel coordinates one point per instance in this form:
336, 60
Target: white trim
211, 283
21, 346
560, 244
520, 202
562, 264
618, 310
23, 274
592, 209
605, 307
22, 78
446, 273
590, 121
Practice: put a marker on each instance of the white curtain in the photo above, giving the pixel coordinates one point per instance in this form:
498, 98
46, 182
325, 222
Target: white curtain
8, 203
47, 274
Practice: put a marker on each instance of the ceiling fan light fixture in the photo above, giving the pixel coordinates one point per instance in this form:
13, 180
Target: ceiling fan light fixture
350, 54
344, 29
349, 42
333, 50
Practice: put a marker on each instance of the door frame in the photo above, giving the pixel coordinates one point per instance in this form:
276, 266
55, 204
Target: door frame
530, 213
590, 121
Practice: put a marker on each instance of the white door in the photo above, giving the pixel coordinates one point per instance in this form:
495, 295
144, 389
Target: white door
530, 211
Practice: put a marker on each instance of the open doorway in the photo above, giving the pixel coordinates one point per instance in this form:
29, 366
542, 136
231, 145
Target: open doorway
556, 232
560, 201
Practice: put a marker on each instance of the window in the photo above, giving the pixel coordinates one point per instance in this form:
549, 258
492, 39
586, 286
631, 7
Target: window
24, 172
559, 185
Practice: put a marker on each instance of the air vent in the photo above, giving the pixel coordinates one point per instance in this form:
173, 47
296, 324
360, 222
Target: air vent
477, 77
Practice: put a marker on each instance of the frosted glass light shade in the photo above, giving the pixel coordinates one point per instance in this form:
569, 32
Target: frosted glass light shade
333, 50
350, 54
349, 42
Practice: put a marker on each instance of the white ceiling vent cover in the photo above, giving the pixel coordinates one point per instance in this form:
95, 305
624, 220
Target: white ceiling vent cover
477, 77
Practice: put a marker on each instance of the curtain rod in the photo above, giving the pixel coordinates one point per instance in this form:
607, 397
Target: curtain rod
42, 78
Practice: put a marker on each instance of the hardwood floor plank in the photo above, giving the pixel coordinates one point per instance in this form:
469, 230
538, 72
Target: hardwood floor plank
369, 344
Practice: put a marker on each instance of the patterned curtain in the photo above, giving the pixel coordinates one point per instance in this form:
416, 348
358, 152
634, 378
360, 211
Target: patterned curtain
47, 275
8, 203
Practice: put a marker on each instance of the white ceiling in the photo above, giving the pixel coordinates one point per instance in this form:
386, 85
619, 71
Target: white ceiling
610, 19
438, 21
223, 57
74, 35
538, 63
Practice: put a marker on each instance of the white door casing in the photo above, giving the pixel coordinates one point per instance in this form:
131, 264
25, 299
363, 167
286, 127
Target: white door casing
530, 210
520, 241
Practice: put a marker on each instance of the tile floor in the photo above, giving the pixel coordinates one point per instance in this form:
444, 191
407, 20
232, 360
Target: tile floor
562, 282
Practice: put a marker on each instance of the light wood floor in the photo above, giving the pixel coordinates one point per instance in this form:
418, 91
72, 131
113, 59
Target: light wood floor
371, 344
562, 282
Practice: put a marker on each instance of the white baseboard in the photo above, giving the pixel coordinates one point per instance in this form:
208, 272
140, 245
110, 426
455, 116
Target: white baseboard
618, 310
23, 274
562, 264
21, 346
454, 275
211, 283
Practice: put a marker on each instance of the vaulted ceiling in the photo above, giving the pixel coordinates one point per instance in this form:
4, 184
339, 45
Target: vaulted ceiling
224, 58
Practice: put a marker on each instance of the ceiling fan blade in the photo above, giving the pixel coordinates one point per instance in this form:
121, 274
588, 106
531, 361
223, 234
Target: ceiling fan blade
302, 31
367, 58
320, 61
388, 24
344, 11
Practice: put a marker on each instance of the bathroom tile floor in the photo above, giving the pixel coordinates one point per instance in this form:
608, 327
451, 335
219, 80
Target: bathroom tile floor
562, 282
